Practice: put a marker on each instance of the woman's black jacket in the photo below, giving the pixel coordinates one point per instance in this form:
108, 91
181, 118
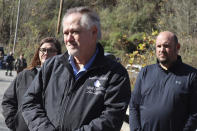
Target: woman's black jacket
12, 99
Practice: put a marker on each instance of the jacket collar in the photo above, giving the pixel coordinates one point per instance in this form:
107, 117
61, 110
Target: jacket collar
98, 61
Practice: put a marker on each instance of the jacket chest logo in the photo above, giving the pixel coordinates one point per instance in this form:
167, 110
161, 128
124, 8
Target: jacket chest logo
97, 83
96, 88
178, 82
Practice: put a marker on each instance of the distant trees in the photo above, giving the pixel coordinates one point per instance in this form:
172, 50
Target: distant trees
124, 24
6, 20
179, 16
123, 21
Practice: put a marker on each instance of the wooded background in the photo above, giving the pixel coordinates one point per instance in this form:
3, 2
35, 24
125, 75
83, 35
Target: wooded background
129, 27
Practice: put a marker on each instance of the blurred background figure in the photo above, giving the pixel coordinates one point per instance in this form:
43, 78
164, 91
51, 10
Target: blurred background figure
20, 63
1, 59
13, 96
9, 64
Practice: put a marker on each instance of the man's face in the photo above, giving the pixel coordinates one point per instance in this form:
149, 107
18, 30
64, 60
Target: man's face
21, 56
166, 49
78, 40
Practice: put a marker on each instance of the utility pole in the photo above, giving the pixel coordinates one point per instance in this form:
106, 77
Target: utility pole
59, 16
15, 36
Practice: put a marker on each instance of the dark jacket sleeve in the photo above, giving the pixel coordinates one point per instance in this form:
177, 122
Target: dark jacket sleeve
191, 123
32, 107
116, 102
134, 115
9, 104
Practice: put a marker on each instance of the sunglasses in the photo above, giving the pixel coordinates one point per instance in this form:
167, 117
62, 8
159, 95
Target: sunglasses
49, 50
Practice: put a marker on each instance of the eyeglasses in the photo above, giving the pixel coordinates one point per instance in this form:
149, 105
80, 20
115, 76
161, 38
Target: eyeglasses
49, 50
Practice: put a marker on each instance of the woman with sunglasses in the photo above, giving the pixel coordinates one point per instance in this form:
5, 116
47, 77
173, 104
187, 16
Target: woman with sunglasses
13, 96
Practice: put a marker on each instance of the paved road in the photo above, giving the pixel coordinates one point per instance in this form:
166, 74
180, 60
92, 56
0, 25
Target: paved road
4, 83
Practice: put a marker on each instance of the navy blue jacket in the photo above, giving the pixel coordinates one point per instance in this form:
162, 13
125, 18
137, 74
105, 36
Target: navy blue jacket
96, 101
165, 100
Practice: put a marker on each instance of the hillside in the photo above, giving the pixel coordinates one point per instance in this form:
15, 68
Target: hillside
124, 25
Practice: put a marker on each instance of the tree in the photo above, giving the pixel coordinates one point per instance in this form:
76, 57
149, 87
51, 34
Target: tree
5, 20
179, 16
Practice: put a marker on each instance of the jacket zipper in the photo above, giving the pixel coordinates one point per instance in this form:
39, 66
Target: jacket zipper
68, 100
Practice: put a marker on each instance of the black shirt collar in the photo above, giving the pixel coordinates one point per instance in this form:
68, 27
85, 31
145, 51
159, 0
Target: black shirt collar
174, 66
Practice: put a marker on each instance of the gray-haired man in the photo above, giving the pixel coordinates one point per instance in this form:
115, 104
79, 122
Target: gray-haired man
82, 89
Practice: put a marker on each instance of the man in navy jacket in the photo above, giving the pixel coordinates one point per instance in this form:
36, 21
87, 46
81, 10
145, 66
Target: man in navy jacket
80, 90
165, 93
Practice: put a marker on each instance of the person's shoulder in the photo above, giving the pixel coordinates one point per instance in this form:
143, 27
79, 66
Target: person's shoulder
114, 66
25, 72
148, 70
18, 59
151, 67
21, 74
53, 61
188, 68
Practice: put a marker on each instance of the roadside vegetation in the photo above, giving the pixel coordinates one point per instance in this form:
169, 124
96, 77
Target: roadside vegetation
129, 27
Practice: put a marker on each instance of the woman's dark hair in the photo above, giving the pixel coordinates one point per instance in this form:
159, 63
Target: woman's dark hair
36, 60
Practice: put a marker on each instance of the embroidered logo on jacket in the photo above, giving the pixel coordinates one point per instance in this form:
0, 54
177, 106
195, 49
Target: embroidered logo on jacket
96, 89
178, 82
97, 83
